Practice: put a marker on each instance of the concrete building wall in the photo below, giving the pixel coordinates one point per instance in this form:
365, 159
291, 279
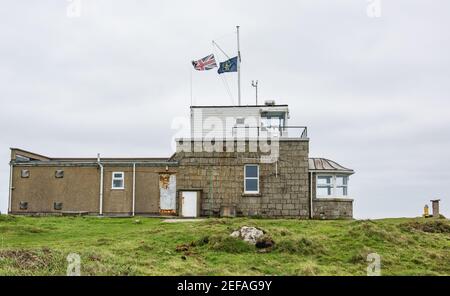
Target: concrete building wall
79, 189
147, 191
284, 189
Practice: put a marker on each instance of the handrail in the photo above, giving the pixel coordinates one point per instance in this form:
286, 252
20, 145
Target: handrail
281, 129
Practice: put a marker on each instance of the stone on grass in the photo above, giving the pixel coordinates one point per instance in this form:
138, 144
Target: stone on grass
248, 234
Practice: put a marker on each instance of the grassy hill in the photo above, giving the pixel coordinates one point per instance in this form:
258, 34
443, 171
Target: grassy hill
149, 246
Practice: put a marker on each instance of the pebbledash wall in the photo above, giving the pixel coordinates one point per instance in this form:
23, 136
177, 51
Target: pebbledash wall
78, 190
219, 176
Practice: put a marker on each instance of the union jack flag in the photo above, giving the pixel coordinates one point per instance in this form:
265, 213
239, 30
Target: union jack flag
207, 63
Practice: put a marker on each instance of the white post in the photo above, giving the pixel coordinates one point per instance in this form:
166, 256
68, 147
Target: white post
239, 66
134, 189
311, 210
10, 187
101, 185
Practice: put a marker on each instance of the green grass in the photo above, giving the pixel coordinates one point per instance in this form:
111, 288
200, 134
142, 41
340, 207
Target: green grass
148, 246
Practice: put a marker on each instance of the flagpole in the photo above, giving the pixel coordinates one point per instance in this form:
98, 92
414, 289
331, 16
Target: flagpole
191, 85
238, 66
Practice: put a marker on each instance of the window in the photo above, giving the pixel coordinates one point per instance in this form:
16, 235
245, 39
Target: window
324, 185
59, 174
341, 185
332, 185
20, 158
118, 180
273, 122
251, 182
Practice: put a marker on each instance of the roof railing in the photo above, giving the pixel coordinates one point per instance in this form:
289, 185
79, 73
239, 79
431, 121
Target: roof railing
271, 131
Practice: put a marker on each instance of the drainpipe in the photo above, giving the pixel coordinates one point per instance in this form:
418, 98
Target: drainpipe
10, 187
311, 214
134, 189
101, 184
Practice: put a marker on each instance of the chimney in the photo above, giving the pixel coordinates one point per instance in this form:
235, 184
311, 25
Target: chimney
435, 207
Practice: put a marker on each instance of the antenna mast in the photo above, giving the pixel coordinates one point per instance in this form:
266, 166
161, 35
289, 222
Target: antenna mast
255, 85
238, 66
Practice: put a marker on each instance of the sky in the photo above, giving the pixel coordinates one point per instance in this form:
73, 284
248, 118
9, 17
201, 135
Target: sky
370, 79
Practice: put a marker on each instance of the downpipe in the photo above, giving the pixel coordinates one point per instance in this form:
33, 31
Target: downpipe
101, 184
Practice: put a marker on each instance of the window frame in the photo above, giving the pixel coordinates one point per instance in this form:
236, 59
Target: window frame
344, 185
333, 184
113, 178
327, 185
251, 178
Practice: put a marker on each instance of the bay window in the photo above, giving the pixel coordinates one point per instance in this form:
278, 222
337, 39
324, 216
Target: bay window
331, 185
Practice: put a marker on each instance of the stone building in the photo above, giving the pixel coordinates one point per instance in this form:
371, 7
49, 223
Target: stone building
237, 161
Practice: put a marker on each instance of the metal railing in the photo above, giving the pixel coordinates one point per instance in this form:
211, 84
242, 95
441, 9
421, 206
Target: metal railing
271, 131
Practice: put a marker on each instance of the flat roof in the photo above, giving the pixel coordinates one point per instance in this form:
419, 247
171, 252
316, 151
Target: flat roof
91, 159
239, 106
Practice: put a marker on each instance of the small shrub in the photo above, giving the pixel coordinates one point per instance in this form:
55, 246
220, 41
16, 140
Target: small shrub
309, 269
360, 256
302, 246
434, 226
371, 230
19, 229
265, 242
202, 241
104, 241
229, 245
32, 260
7, 218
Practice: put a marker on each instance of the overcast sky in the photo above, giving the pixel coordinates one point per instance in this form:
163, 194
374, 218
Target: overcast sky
373, 91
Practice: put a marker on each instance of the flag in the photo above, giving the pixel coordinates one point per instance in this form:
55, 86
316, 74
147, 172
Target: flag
207, 63
228, 66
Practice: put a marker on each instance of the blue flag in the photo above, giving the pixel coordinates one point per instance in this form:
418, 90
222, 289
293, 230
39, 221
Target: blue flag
228, 66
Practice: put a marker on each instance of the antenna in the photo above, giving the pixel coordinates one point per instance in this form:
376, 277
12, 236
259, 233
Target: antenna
238, 65
255, 85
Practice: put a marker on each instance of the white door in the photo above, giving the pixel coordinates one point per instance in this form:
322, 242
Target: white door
189, 205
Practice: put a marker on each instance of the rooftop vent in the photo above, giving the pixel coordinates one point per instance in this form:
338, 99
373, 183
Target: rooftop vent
269, 103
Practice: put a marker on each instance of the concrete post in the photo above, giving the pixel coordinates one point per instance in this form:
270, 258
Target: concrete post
435, 206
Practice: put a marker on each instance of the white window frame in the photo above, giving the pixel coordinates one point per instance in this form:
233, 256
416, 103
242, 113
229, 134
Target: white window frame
343, 186
319, 185
334, 185
251, 178
114, 179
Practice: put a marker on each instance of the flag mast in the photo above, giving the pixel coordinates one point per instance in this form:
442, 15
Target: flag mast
238, 66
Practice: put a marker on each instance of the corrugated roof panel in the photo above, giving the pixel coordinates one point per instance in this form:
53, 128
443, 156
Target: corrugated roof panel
323, 164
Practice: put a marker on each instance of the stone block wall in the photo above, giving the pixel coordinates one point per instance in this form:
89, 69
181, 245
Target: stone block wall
284, 187
332, 208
